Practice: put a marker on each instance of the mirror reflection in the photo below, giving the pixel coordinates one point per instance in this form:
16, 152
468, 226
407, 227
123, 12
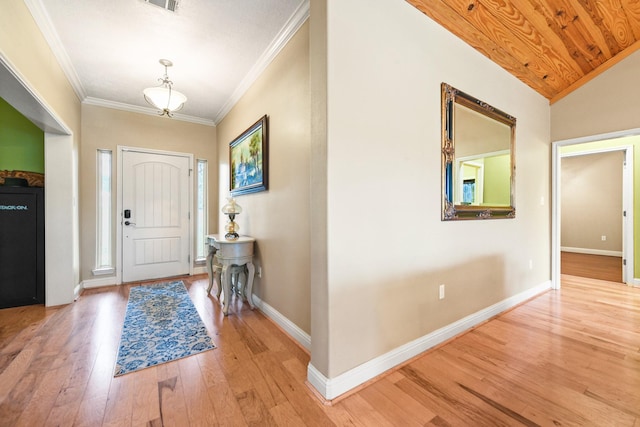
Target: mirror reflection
478, 158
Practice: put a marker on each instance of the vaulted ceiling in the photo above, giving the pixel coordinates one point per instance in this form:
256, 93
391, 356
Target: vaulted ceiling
554, 46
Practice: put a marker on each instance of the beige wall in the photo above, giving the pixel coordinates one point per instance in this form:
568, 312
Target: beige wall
591, 204
387, 249
24, 49
318, 184
106, 128
278, 218
608, 103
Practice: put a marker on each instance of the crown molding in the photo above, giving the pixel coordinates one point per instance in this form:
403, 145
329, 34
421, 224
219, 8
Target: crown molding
294, 23
43, 21
143, 110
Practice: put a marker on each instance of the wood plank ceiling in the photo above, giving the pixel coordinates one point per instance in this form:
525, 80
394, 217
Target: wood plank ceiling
554, 46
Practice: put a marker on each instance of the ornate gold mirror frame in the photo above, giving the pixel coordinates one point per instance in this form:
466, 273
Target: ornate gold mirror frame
478, 158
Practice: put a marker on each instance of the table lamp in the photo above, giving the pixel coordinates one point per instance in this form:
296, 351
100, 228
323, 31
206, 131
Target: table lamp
231, 209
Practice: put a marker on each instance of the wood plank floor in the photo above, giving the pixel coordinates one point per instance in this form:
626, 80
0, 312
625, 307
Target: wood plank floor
592, 266
569, 357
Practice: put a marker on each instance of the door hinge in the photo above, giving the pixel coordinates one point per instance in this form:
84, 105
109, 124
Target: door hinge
189, 258
624, 213
190, 170
624, 262
189, 215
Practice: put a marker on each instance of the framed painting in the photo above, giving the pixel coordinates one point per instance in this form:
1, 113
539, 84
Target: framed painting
248, 159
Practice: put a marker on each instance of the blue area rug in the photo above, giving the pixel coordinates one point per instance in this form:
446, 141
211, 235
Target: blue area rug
160, 325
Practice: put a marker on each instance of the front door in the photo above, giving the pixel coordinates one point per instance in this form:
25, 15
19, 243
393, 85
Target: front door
155, 215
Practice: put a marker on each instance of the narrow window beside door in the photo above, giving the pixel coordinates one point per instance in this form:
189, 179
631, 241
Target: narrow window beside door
104, 259
201, 214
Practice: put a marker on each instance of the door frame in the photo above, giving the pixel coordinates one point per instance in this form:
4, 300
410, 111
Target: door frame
120, 150
627, 199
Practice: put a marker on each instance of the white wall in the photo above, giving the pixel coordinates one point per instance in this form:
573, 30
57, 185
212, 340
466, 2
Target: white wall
388, 251
61, 221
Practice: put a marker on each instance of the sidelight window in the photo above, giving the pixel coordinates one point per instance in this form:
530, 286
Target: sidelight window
104, 257
201, 211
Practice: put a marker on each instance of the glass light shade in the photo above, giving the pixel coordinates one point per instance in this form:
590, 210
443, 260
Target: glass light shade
231, 207
164, 98
231, 227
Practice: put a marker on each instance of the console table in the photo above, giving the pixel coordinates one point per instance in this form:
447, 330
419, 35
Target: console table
228, 255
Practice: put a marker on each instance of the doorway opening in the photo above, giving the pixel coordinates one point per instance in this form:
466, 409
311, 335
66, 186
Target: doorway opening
622, 142
61, 217
592, 214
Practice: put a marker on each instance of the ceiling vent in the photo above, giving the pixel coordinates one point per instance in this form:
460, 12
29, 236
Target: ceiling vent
170, 5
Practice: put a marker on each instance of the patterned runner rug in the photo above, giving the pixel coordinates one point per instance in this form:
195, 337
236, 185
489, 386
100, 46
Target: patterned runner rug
160, 325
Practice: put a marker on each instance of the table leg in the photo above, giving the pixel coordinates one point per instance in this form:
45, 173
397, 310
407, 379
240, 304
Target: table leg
226, 284
209, 262
217, 276
249, 289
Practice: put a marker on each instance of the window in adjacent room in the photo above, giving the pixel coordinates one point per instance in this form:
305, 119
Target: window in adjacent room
104, 259
201, 214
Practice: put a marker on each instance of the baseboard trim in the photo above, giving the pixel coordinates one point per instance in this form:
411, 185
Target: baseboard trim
77, 290
287, 325
591, 251
330, 388
96, 283
199, 270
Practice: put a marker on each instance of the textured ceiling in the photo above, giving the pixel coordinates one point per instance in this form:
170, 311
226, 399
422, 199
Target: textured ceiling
110, 49
554, 46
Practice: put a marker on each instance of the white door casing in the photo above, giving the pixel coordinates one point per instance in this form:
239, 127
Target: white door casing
156, 192
628, 196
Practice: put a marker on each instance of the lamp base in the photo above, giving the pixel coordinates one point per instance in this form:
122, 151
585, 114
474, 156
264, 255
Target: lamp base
231, 236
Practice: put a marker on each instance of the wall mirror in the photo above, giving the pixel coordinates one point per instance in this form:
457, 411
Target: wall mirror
478, 158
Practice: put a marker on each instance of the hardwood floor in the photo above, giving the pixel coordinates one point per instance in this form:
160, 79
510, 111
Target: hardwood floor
592, 266
569, 357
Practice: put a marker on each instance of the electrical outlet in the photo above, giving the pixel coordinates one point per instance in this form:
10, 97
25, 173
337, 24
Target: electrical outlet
604, 238
441, 292
259, 272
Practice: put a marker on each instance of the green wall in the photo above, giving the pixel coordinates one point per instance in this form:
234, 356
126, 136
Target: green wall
21, 142
497, 180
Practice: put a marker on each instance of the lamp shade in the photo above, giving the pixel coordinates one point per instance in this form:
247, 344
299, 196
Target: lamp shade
231, 207
164, 98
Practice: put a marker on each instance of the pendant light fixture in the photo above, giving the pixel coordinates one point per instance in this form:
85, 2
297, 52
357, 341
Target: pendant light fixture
163, 97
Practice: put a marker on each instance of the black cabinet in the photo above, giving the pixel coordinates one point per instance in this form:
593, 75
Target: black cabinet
21, 246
